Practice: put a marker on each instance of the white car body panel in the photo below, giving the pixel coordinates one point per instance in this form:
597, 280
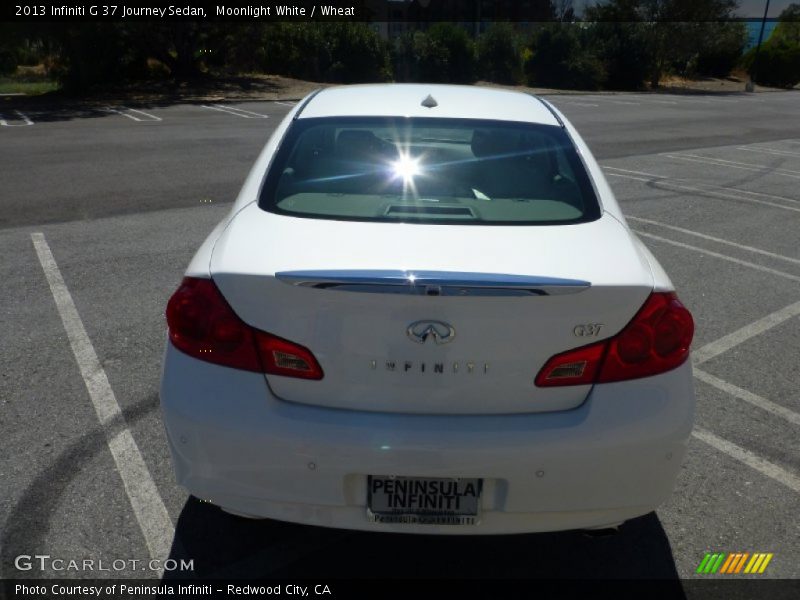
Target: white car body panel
405, 101
613, 458
347, 331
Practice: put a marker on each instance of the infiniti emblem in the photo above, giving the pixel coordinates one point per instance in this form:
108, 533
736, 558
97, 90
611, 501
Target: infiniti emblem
441, 332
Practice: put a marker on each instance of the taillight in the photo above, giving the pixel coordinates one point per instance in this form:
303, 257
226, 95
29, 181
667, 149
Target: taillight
282, 357
203, 325
655, 341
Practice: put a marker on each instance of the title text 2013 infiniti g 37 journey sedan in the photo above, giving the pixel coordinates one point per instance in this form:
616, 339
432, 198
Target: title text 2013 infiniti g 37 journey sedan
425, 313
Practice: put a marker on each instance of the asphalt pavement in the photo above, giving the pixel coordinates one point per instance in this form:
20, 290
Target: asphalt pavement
124, 195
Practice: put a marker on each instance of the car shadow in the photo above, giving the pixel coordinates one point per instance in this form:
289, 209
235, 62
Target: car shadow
224, 546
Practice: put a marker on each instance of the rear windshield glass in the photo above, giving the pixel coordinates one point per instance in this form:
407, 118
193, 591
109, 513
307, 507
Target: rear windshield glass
429, 170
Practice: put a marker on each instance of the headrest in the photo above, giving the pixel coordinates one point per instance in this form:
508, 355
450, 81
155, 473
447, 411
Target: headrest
494, 143
357, 142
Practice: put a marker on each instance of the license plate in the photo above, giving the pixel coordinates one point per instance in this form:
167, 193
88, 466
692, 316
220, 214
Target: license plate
423, 500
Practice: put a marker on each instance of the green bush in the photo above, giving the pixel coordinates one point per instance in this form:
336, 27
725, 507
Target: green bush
788, 28
778, 64
721, 46
295, 50
445, 53
95, 53
779, 59
335, 52
498, 55
621, 49
358, 54
9, 49
561, 58
234, 47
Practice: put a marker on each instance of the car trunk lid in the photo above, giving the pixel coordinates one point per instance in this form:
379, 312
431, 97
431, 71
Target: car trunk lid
440, 319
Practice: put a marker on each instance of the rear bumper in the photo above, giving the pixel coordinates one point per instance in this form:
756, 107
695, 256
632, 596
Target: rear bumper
613, 458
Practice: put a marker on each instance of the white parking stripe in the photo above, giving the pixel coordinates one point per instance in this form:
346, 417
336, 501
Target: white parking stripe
704, 185
663, 101
625, 102
772, 151
715, 239
740, 336
141, 112
125, 112
21, 115
740, 163
669, 186
719, 162
635, 172
147, 505
582, 104
254, 115
751, 460
285, 103
718, 255
119, 112
239, 112
754, 399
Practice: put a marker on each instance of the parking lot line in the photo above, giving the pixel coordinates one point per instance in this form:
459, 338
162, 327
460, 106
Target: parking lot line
285, 103
740, 163
773, 151
747, 396
751, 460
21, 115
665, 183
705, 185
606, 168
715, 239
744, 263
723, 344
720, 162
125, 112
238, 112
148, 507
141, 112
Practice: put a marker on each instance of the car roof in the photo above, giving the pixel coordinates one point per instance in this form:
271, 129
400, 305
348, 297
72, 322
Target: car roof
405, 100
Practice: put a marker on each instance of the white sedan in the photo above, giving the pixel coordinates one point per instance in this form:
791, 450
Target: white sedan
426, 313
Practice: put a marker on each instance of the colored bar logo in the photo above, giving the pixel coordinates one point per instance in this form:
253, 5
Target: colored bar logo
734, 563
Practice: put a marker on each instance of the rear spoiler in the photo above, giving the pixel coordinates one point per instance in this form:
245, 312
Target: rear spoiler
432, 283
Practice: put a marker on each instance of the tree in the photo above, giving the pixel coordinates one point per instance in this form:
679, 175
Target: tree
788, 28
560, 57
10, 42
779, 58
336, 51
444, 53
660, 36
498, 52
719, 47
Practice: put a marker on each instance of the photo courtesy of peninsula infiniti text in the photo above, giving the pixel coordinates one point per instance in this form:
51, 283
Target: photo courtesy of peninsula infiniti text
425, 313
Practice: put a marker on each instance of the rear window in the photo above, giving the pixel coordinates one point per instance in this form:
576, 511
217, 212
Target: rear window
442, 171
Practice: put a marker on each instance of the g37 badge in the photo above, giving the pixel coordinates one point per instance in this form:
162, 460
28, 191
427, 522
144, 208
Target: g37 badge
587, 330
